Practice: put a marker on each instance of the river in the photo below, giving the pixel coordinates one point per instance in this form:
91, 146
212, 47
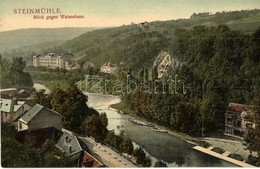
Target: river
163, 146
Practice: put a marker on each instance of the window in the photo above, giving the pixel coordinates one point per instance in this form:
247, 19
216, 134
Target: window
239, 123
229, 121
20, 125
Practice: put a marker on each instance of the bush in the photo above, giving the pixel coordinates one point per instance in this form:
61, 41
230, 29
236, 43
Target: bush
160, 164
236, 157
203, 143
253, 160
218, 150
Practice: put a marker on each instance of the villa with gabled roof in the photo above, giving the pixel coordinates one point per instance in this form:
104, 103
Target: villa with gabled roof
39, 117
11, 109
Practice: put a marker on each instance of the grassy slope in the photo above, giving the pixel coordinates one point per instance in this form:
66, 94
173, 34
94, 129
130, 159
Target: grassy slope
22, 39
137, 48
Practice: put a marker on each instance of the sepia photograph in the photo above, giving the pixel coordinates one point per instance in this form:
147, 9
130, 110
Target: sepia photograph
130, 83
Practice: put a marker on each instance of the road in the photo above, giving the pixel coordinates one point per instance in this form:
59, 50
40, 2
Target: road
107, 155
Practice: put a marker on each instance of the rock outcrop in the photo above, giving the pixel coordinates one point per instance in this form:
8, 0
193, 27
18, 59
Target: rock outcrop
165, 63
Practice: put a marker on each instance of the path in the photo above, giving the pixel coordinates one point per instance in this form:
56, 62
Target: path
231, 160
231, 146
107, 155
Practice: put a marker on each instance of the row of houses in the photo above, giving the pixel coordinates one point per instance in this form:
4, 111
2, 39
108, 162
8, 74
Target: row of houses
65, 61
54, 60
15, 93
45, 124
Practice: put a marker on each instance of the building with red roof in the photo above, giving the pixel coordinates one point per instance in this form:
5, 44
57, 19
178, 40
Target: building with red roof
237, 119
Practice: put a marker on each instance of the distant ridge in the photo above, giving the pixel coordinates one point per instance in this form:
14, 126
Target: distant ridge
20, 38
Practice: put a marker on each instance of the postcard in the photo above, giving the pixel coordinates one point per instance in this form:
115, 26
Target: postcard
130, 83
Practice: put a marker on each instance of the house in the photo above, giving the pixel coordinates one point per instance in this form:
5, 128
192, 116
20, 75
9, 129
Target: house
74, 148
41, 136
39, 117
11, 109
23, 94
237, 118
90, 161
108, 68
143, 25
53, 60
70, 145
8, 92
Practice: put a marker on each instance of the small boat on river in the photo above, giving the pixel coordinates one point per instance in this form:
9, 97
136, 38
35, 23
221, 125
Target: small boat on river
137, 122
159, 130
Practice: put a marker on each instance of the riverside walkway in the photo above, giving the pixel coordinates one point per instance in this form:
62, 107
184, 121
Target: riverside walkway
107, 155
220, 156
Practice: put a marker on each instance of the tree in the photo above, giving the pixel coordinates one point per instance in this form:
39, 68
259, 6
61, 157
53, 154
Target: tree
29, 155
160, 164
147, 162
18, 64
13, 75
72, 105
184, 119
140, 155
253, 133
95, 126
127, 146
146, 74
42, 98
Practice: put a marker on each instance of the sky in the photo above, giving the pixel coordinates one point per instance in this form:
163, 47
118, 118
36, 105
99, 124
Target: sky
106, 13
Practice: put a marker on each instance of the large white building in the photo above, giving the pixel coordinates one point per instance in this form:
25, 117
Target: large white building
53, 60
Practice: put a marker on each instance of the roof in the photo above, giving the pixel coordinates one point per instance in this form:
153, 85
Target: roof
8, 89
41, 135
55, 55
109, 64
7, 105
67, 55
69, 143
22, 91
90, 161
17, 107
32, 113
238, 108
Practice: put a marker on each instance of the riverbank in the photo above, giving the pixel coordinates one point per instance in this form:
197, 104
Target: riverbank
198, 143
222, 157
130, 114
107, 155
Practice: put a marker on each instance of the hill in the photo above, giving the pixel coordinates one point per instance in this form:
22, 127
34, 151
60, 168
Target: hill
35, 38
137, 45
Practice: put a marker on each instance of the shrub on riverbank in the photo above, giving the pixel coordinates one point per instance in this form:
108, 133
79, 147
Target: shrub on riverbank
202, 143
236, 157
141, 158
218, 150
253, 160
160, 164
